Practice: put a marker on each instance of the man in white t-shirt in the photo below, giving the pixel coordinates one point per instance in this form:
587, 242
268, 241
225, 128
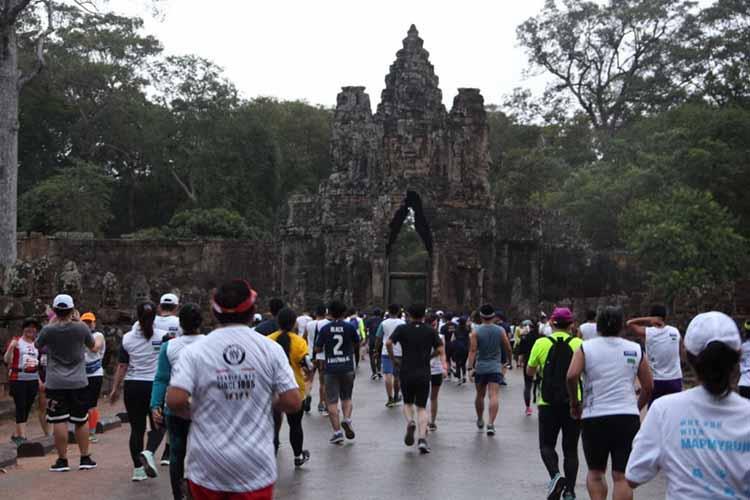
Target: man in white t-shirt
664, 349
699, 440
544, 326
311, 333
391, 368
229, 383
167, 318
588, 329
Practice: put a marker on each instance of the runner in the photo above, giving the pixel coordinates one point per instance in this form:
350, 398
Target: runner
544, 326
372, 324
65, 339
744, 385
295, 349
94, 372
270, 325
460, 349
166, 318
550, 357
664, 348
524, 353
352, 316
137, 363
319, 364
588, 329
438, 370
22, 358
229, 383
391, 366
448, 331
610, 411
190, 318
487, 342
339, 340
699, 439
417, 341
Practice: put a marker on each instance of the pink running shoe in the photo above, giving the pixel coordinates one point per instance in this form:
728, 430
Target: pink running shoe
529, 411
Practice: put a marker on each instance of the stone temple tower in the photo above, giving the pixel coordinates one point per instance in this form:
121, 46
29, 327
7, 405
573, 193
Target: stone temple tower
411, 154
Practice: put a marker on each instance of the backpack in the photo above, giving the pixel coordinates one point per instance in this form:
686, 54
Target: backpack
555, 373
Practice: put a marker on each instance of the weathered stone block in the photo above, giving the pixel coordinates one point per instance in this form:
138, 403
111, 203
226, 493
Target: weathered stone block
8, 455
36, 447
106, 424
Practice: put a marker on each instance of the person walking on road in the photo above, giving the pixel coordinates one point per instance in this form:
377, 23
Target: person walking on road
699, 439
339, 340
551, 357
94, 372
487, 342
295, 349
190, 318
391, 364
438, 371
229, 383
610, 410
65, 340
417, 341
524, 353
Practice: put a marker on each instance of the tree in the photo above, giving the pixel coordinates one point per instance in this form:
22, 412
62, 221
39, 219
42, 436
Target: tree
684, 240
77, 199
612, 59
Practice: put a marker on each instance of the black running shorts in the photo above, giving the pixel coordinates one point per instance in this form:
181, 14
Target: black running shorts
416, 391
609, 435
339, 386
436, 380
94, 390
65, 405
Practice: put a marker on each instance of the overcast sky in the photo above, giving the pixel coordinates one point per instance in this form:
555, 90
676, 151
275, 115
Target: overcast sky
294, 49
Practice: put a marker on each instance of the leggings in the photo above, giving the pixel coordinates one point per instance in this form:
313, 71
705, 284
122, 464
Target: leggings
552, 420
375, 360
296, 436
528, 383
460, 358
178, 433
137, 397
24, 393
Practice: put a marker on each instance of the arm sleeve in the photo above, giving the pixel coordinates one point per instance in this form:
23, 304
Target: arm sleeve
645, 458
161, 381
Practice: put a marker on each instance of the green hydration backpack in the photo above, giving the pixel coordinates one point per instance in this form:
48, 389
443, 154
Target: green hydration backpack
555, 373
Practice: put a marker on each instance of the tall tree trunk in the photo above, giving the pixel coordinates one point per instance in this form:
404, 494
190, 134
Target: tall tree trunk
8, 144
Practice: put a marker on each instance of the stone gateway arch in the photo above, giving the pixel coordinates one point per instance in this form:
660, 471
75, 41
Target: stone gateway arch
413, 153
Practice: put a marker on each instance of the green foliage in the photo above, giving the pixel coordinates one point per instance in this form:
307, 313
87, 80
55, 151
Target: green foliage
684, 240
211, 223
77, 199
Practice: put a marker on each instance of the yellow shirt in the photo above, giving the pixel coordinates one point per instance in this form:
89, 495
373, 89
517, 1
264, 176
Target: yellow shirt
539, 354
297, 353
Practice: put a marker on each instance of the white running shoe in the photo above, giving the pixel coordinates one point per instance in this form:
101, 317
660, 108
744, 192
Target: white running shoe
139, 474
149, 463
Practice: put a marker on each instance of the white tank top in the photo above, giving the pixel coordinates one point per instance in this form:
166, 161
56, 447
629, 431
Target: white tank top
745, 364
663, 351
609, 374
436, 363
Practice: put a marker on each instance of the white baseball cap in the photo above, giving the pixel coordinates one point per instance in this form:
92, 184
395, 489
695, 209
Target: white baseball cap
440, 313
257, 317
63, 302
710, 327
169, 298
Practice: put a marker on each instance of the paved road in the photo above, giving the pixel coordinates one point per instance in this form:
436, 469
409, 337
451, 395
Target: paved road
464, 463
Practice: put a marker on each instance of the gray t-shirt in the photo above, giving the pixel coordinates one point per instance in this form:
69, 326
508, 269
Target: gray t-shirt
489, 349
66, 364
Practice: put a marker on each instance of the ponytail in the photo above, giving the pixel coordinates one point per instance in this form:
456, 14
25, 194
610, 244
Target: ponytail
286, 319
715, 367
146, 315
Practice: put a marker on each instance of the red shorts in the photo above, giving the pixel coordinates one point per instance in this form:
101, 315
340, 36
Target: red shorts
200, 493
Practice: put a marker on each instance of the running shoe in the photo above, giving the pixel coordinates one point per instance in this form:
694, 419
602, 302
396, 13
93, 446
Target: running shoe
410, 429
490, 430
93, 438
61, 465
302, 459
529, 411
86, 463
391, 403
374, 376
337, 438
164, 462
397, 399
569, 495
463, 380
17, 440
556, 487
149, 463
348, 430
480, 424
139, 474
424, 448
307, 405
432, 427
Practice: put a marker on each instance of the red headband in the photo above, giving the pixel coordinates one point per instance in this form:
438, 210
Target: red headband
240, 308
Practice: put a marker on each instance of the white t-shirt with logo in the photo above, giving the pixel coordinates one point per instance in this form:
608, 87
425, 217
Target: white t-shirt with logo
588, 331
389, 326
663, 351
436, 363
94, 360
745, 364
170, 324
609, 374
700, 443
141, 354
232, 375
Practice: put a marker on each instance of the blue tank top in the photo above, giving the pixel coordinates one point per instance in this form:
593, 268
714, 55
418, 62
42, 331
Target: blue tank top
489, 349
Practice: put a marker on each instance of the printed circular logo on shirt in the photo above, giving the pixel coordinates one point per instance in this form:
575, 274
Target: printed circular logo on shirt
234, 354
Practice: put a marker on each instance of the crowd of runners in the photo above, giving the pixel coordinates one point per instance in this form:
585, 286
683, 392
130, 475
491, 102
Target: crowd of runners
220, 400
